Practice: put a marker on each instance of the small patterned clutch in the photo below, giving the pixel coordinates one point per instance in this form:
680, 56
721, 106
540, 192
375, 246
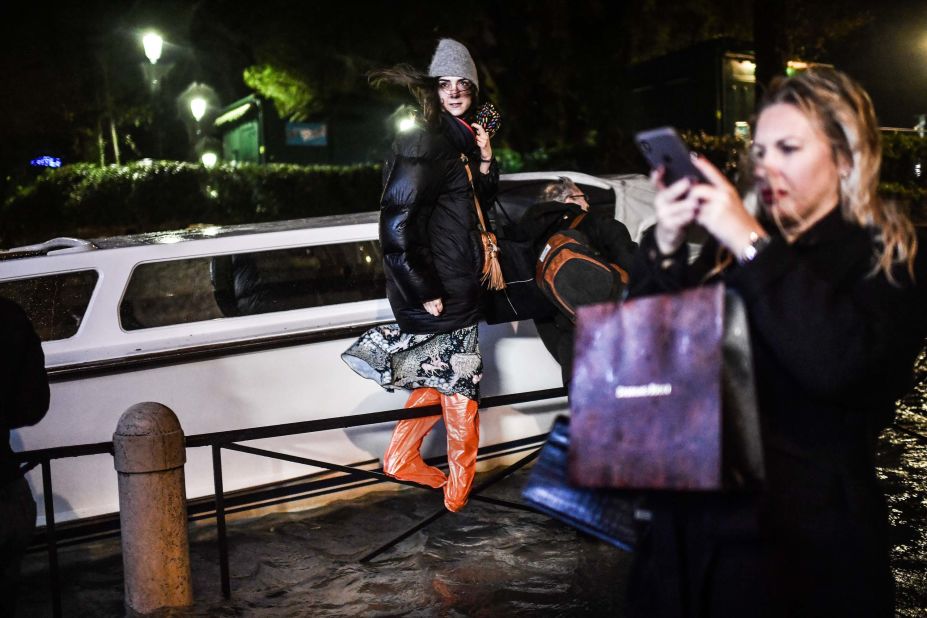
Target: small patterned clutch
488, 116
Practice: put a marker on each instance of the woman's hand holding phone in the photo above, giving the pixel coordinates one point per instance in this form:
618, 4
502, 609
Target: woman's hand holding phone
674, 174
721, 211
675, 211
664, 149
699, 194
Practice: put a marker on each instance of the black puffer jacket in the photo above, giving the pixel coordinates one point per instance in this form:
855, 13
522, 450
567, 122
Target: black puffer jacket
428, 227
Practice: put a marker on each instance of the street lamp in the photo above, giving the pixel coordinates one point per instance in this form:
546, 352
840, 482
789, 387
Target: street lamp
198, 108
152, 42
209, 159
197, 103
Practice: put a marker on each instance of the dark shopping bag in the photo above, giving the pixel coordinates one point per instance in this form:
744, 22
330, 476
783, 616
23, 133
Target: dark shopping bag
612, 516
651, 378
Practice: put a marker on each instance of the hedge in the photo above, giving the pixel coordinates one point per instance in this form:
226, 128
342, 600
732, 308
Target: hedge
86, 200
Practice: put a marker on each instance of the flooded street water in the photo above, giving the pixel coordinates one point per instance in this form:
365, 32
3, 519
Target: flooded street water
903, 469
486, 561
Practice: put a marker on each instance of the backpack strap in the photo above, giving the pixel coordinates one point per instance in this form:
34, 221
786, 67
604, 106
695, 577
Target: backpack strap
579, 219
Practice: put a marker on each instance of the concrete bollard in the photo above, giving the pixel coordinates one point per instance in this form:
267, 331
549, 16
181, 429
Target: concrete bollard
149, 453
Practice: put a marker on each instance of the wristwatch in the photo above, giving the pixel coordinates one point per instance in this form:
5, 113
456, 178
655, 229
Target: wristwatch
756, 244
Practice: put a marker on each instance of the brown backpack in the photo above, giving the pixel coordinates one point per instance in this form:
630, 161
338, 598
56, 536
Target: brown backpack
571, 273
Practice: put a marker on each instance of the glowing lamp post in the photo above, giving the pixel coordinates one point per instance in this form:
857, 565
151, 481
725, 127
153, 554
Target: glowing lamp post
154, 71
152, 42
209, 159
198, 109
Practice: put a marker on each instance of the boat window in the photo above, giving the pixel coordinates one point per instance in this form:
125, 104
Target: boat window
205, 288
56, 304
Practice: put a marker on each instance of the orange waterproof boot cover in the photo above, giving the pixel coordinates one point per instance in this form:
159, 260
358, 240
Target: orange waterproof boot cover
463, 438
403, 459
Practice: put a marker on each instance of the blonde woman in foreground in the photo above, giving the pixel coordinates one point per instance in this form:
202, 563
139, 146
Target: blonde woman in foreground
835, 291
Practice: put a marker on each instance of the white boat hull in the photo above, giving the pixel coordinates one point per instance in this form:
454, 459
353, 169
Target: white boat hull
282, 385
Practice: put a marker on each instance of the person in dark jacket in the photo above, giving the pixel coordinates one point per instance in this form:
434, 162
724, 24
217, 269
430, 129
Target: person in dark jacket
433, 257
23, 401
561, 202
836, 293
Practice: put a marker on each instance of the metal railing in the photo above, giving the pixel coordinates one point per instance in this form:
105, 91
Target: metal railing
229, 440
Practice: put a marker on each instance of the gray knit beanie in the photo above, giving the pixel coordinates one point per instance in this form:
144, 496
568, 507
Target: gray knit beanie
452, 59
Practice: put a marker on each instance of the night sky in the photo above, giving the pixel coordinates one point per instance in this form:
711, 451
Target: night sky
889, 57
63, 60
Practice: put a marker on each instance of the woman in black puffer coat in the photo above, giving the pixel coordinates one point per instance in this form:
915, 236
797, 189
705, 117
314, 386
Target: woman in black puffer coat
433, 256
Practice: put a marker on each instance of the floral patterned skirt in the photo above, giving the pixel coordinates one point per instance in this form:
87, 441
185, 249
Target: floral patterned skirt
448, 362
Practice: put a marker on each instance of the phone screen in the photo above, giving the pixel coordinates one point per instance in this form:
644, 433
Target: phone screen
663, 147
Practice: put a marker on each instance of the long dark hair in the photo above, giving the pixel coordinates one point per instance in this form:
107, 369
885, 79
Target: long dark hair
422, 87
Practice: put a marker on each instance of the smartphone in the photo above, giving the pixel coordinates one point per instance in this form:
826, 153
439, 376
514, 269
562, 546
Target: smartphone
663, 146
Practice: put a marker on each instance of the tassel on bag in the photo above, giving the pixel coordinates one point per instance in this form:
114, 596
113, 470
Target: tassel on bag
492, 270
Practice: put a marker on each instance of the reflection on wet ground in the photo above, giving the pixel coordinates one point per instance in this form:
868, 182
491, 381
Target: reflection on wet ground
903, 470
485, 561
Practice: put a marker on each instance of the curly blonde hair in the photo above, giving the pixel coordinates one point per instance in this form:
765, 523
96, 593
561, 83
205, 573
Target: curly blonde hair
842, 109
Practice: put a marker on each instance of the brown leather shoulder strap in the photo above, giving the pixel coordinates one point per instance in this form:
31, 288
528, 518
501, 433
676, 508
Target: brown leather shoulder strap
476, 200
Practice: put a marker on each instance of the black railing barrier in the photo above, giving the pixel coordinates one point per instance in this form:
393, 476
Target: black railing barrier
228, 440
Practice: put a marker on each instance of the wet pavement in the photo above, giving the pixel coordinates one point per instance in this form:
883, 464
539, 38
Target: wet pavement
486, 561
902, 464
